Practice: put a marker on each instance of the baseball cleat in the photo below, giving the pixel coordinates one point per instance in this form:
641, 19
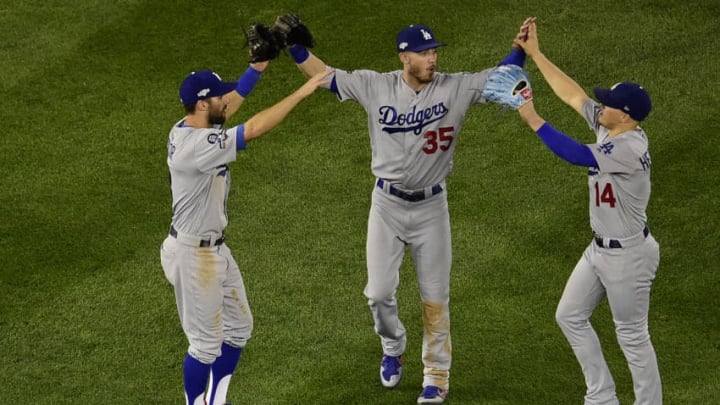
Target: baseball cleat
390, 371
432, 395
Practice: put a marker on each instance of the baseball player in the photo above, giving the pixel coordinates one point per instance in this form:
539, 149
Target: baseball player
621, 260
415, 116
209, 290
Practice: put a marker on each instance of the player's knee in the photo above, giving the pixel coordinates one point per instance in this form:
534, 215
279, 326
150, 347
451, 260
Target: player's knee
567, 318
379, 296
561, 316
632, 334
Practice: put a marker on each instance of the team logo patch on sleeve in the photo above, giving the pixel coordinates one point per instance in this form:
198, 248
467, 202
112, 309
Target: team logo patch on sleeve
218, 139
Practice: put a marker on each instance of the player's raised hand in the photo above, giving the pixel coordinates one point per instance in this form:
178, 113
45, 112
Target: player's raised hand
530, 43
522, 32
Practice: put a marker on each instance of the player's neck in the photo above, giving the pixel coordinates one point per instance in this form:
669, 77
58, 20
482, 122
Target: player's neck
412, 82
197, 121
621, 128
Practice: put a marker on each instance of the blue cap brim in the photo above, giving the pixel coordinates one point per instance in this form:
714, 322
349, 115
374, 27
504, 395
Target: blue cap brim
223, 89
425, 47
603, 96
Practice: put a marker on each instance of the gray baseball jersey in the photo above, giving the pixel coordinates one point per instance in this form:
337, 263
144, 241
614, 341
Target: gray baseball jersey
200, 179
413, 136
620, 189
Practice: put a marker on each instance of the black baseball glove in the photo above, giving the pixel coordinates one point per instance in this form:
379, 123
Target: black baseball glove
264, 46
290, 30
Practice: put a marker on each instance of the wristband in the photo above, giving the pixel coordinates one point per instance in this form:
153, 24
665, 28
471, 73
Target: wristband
247, 81
516, 57
299, 53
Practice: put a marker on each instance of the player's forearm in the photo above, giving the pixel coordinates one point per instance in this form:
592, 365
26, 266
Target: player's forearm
563, 85
530, 116
268, 119
308, 63
245, 84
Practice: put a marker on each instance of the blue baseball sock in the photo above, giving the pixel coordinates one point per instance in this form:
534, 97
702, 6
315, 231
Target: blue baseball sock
195, 376
222, 370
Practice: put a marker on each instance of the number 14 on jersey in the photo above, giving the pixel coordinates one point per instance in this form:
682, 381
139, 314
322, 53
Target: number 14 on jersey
604, 194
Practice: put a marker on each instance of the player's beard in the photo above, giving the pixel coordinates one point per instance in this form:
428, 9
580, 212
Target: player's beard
422, 75
217, 117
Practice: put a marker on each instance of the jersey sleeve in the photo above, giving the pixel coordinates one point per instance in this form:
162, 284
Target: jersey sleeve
477, 81
591, 111
465, 87
355, 85
215, 147
238, 133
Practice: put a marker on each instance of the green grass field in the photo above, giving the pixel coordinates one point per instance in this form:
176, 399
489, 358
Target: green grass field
89, 93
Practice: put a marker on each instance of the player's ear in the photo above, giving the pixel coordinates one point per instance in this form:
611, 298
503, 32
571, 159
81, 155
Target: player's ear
202, 105
404, 58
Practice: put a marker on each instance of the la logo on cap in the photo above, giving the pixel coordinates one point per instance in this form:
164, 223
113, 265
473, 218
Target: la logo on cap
416, 38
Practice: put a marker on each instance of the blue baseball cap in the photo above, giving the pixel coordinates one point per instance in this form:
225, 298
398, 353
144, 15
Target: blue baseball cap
629, 97
416, 38
203, 84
